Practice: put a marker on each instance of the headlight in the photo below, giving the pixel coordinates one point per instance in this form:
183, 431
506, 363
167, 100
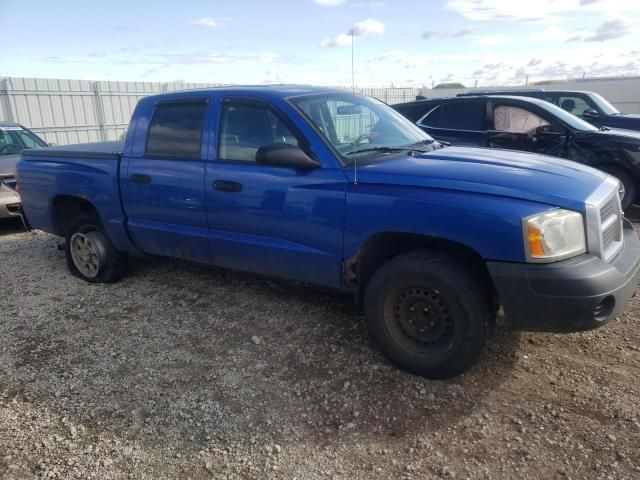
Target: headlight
553, 235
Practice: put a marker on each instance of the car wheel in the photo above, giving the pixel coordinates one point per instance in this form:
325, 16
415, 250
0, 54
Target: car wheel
91, 255
628, 189
428, 314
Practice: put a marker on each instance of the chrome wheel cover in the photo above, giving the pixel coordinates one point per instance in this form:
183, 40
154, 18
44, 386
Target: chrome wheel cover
87, 253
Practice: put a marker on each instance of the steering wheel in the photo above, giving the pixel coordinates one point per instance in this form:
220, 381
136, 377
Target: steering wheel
5, 147
362, 138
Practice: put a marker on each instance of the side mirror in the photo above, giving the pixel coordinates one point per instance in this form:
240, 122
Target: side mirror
590, 113
285, 155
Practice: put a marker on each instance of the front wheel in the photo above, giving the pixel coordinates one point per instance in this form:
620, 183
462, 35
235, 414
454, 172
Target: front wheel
428, 314
91, 255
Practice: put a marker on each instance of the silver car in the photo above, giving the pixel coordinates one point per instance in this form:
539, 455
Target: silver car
13, 139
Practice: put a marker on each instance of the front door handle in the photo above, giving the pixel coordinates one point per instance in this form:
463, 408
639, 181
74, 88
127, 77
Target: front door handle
140, 178
227, 186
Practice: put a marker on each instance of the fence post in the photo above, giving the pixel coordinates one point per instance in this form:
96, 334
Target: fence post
99, 111
7, 96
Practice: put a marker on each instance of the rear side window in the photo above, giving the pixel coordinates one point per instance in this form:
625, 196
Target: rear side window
457, 116
176, 131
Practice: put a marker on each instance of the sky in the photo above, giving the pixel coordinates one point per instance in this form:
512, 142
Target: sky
398, 43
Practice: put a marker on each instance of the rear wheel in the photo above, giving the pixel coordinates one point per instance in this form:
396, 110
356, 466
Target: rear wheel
91, 255
428, 314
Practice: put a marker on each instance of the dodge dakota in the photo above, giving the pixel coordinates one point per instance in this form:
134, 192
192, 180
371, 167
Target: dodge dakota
336, 189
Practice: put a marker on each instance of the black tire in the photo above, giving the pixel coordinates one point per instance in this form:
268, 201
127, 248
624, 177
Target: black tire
110, 264
628, 182
446, 340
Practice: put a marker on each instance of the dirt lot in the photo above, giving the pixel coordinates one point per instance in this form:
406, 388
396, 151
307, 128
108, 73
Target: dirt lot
187, 371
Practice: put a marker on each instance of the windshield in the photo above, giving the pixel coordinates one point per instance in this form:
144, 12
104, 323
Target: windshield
14, 139
604, 105
360, 127
574, 122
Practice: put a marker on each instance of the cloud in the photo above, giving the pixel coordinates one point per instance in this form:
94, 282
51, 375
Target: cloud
488, 10
429, 34
341, 40
212, 22
609, 30
368, 27
329, 3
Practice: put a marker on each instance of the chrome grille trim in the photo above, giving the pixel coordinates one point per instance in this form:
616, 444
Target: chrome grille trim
604, 220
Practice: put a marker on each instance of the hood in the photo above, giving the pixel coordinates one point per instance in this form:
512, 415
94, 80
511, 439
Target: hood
619, 134
8, 165
506, 173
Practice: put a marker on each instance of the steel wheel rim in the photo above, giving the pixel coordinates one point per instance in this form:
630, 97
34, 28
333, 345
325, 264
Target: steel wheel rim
420, 319
85, 254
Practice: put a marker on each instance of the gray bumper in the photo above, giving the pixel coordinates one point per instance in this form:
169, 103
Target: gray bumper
577, 294
9, 202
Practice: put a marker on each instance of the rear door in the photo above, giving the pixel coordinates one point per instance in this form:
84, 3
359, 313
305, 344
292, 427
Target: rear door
459, 122
163, 187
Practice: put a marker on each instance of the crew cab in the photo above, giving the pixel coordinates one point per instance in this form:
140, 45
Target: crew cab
589, 106
330, 188
532, 125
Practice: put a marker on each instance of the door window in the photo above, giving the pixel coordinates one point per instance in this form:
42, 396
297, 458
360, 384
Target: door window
176, 131
457, 116
575, 105
516, 120
246, 127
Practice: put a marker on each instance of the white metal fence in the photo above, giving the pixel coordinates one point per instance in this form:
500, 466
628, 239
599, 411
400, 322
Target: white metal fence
79, 111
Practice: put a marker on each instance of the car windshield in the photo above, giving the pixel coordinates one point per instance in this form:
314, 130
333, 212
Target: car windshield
604, 105
15, 139
361, 127
574, 122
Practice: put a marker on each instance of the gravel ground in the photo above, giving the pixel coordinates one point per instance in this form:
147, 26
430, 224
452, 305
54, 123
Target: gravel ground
188, 371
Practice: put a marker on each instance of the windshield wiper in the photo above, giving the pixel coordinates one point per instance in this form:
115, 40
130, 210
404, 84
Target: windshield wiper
386, 150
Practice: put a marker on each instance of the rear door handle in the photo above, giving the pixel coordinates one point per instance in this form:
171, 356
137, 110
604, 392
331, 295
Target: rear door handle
227, 186
140, 178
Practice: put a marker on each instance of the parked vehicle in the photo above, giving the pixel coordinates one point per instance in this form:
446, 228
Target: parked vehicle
532, 125
590, 106
331, 188
13, 139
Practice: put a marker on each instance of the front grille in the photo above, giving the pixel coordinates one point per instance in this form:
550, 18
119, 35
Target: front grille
604, 220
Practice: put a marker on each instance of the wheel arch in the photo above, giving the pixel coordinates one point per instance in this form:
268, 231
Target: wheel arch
383, 246
65, 209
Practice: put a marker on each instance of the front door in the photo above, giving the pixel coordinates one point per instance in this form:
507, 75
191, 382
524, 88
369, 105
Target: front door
266, 219
517, 128
163, 189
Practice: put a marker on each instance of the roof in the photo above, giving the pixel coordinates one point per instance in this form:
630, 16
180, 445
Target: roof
4, 123
273, 91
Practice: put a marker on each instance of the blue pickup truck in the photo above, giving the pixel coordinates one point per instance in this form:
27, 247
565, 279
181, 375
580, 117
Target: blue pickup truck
336, 189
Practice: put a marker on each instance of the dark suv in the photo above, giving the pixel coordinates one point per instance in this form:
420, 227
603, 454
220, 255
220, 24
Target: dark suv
532, 125
589, 106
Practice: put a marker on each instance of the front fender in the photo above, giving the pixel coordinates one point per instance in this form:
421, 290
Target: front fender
490, 225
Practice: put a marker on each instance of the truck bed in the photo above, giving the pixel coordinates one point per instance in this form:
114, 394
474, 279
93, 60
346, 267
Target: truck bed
89, 171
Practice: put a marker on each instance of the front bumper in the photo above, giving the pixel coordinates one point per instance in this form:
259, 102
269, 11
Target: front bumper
577, 294
9, 202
